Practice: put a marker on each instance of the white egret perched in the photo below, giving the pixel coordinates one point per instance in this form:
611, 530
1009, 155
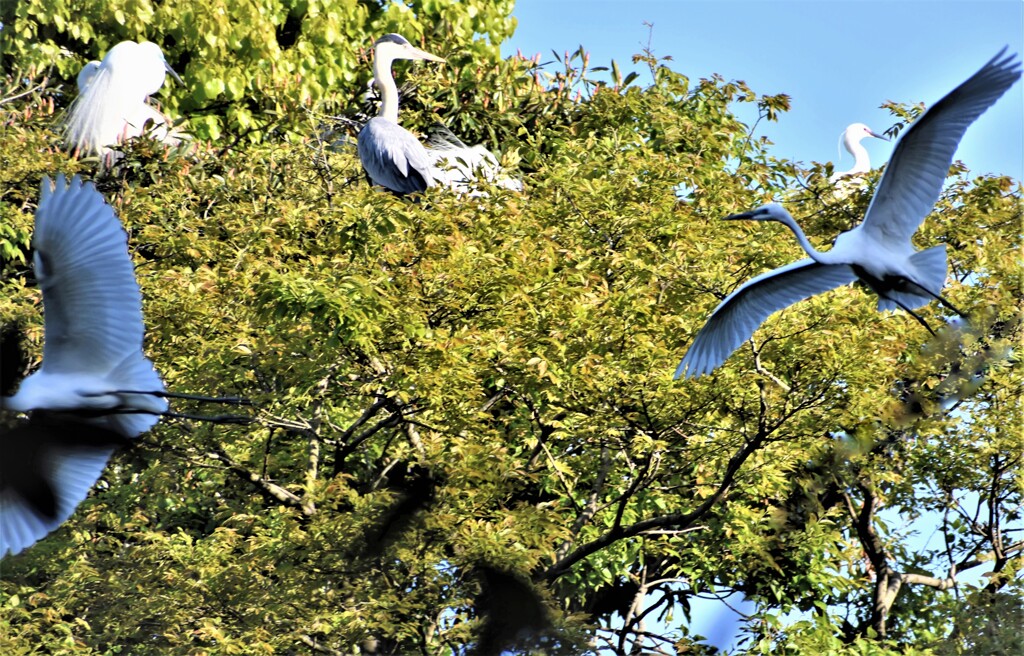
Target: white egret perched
391, 155
457, 165
852, 136
94, 389
878, 251
111, 105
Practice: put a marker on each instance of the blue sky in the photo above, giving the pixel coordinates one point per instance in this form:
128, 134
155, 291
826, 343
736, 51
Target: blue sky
838, 60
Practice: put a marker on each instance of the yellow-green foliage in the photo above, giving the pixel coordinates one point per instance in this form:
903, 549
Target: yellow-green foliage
518, 347
249, 65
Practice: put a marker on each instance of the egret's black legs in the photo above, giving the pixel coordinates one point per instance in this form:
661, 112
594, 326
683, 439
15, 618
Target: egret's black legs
212, 419
228, 400
938, 297
941, 299
913, 314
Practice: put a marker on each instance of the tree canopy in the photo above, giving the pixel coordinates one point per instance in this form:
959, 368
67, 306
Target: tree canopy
466, 434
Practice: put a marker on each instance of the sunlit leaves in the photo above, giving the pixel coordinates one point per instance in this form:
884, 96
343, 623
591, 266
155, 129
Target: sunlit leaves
448, 383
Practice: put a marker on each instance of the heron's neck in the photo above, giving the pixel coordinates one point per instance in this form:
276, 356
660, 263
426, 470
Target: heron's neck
861, 161
387, 88
816, 255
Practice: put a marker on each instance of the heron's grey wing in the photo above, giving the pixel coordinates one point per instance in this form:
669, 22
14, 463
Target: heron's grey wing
739, 315
439, 137
92, 307
45, 472
913, 178
393, 157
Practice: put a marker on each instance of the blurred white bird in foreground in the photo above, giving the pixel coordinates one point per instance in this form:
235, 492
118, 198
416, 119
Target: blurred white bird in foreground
95, 390
879, 251
112, 100
852, 137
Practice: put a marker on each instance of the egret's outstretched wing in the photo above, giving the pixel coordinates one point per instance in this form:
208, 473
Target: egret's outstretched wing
393, 157
739, 315
919, 164
49, 464
91, 303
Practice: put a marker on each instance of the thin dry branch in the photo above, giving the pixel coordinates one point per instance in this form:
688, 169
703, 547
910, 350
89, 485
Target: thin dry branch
264, 485
679, 521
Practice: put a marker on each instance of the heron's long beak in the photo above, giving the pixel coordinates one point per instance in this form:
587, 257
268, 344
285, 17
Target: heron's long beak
176, 77
416, 53
744, 216
878, 136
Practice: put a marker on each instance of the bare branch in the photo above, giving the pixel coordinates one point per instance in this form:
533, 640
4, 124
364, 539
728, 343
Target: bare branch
313, 457
319, 648
339, 455
679, 521
265, 486
588, 511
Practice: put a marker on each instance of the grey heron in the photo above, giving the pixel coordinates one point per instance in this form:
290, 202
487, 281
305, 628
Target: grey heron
391, 155
879, 251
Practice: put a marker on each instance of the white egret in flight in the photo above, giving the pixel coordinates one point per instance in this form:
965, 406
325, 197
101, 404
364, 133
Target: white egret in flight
878, 251
112, 107
391, 155
94, 390
852, 136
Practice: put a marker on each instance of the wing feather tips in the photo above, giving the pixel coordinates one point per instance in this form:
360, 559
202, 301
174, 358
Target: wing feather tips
737, 317
72, 473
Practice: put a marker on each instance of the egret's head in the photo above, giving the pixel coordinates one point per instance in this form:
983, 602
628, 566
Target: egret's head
767, 212
152, 68
137, 67
858, 131
86, 75
394, 46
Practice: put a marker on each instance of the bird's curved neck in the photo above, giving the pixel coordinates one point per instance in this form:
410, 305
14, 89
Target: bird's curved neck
816, 255
387, 88
861, 161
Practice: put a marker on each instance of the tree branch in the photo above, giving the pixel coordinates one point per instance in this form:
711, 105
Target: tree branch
268, 488
679, 521
588, 511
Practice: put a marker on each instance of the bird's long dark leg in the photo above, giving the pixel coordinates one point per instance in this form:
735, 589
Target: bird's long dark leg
941, 299
170, 414
880, 287
228, 400
913, 314
938, 297
212, 419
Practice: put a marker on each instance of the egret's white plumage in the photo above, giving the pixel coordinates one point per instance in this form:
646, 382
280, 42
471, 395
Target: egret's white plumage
94, 388
878, 251
86, 75
112, 102
852, 137
458, 166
